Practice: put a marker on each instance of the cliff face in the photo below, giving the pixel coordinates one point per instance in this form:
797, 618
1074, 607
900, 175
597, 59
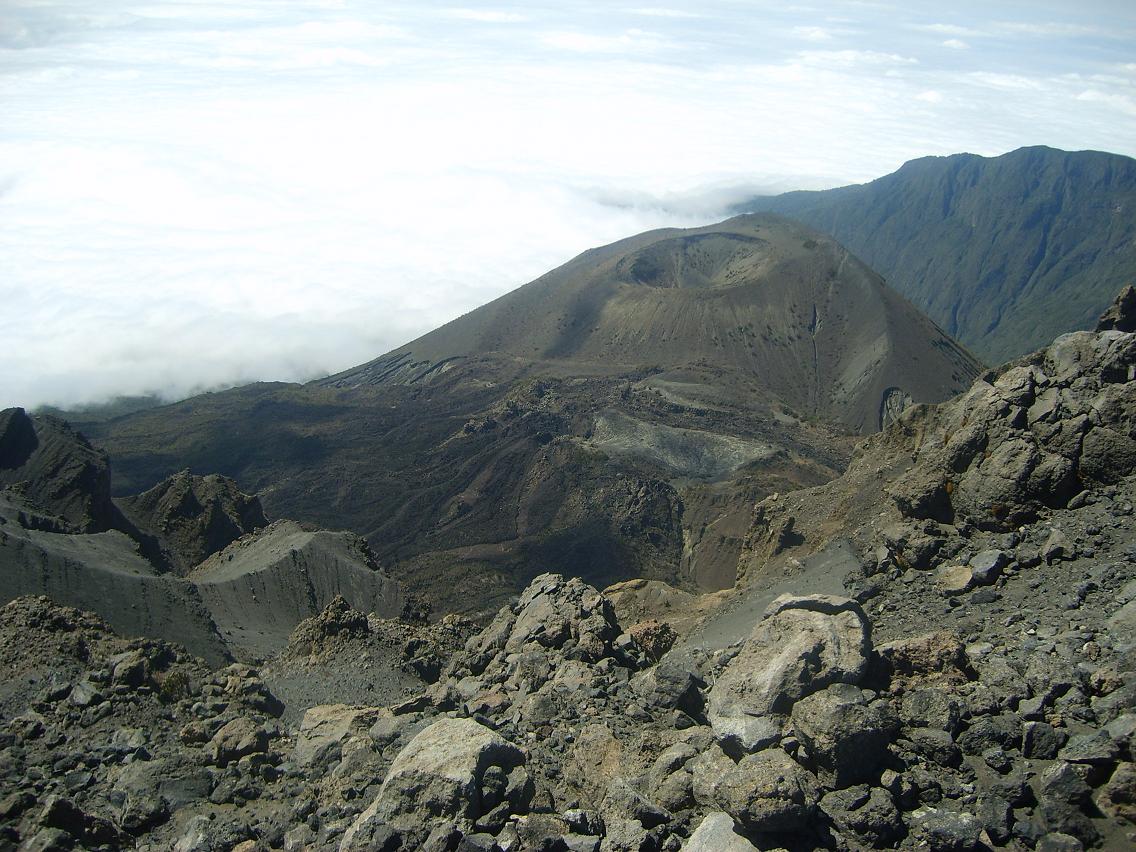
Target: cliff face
62, 536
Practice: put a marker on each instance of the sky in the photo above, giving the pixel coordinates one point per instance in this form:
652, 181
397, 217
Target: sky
200, 194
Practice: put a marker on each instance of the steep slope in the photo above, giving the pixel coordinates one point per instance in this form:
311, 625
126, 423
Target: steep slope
752, 296
242, 603
55, 471
611, 420
1037, 435
975, 690
1005, 253
105, 573
260, 587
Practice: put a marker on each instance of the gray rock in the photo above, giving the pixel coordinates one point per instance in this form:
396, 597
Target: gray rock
1057, 547
995, 816
931, 707
997, 759
1062, 797
1117, 797
1041, 741
242, 736
954, 579
622, 801
987, 566
49, 840
673, 686
868, 813
581, 842
437, 775
802, 645
1004, 731
323, 729
941, 830
847, 738
934, 745
1058, 842
676, 791
707, 771
716, 833
624, 835
85, 694
768, 791
478, 843
85, 828
1097, 749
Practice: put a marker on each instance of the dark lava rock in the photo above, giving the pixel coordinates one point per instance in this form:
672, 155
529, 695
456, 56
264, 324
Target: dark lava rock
846, 737
868, 813
1121, 314
941, 830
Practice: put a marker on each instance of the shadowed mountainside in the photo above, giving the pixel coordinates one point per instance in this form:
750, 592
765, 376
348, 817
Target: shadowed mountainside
1005, 253
63, 536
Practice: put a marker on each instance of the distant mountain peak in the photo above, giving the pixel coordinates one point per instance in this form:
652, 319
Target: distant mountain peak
1005, 253
757, 298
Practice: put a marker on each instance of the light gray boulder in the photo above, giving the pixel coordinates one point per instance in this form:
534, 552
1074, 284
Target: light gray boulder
803, 644
437, 776
716, 834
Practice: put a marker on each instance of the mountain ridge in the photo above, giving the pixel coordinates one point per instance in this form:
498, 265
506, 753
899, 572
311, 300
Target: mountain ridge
752, 294
1004, 253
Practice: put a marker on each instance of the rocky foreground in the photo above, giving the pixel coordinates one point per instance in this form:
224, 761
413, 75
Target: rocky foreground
972, 687
556, 728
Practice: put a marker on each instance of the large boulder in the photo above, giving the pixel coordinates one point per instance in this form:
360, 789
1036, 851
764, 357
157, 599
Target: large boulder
323, 729
768, 792
846, 737
236, 739
803, 644
716, 833
437, 776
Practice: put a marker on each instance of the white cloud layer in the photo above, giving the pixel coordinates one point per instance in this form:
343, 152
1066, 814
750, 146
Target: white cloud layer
196, 194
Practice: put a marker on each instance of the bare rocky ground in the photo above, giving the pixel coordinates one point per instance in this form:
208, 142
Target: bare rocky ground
933, 652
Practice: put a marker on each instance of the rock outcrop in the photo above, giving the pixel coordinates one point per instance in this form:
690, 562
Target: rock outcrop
62, 535
193, 517
55, 472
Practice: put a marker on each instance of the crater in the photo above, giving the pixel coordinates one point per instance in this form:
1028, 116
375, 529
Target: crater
698, 262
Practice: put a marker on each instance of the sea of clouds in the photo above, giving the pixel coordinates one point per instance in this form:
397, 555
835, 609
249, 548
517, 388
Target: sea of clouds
200, 194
